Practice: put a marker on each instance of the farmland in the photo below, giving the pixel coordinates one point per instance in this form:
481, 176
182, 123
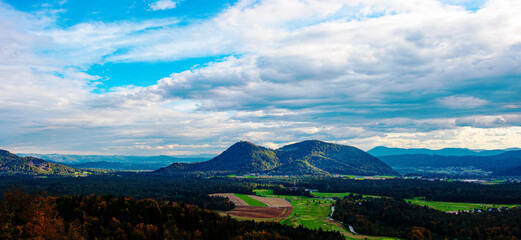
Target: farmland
254, 207
455, 206
312, 213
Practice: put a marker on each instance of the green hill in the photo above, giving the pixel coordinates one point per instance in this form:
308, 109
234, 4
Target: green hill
241, 158
334, 158
11, 164
304, 158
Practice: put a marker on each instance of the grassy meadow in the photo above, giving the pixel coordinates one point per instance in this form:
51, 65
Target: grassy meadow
455, 206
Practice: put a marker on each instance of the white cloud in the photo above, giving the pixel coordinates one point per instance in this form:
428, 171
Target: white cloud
462, 137
367, 73
163, 5
462, 102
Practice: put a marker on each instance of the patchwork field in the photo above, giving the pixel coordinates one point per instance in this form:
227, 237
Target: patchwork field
251, 201
255, 207
313, 213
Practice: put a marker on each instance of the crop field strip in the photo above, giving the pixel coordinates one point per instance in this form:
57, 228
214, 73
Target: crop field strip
250, 201
272, 209
236, 200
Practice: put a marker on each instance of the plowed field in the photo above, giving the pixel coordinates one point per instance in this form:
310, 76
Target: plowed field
277, 207
261, 212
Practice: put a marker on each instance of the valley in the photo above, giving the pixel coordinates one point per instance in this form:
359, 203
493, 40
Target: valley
307, 185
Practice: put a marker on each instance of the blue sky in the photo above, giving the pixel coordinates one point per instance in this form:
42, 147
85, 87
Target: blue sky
188, 77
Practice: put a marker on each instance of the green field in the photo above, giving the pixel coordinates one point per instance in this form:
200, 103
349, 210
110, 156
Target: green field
312, 213
442, 206
455, 206
338, 195
250, 201
309, 212
358, 177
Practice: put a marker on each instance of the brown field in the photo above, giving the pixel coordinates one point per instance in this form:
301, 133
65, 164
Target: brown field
261, 212
277, 208
272, 202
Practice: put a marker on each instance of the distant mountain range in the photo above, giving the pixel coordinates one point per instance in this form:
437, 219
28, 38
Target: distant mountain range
385, 151
11, 164
75, 159
116, 162
119, 165
506, 163
304, 158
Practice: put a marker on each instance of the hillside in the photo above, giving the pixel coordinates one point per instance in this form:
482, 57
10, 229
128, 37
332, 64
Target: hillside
11, 164
334, 158
304, 158
79, 159
241, 158
385, 151
501, 164
119, 165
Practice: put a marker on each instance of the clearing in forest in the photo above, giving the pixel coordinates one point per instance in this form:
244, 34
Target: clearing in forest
250, 206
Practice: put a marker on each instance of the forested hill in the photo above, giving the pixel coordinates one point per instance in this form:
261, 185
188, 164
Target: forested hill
333, 158
11, 164
241, 158
385, 151
305, 158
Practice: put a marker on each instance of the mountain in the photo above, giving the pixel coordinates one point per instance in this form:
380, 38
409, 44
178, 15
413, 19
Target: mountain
77, 159
385, 151
119, 165
11, 164
334, 158
499, 164
305, 158
241, 158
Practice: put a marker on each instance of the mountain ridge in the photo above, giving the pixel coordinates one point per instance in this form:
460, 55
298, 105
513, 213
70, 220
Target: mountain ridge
507, 162
386, 151
311, 157
12, 164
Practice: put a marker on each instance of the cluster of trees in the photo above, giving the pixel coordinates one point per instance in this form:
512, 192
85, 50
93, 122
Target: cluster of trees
281, 190
397, 218
24, 216
507, 193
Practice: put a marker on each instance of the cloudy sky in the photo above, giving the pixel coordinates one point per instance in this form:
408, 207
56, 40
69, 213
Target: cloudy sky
194, 76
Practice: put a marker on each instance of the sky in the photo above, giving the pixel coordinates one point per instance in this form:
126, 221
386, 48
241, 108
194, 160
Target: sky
140, 77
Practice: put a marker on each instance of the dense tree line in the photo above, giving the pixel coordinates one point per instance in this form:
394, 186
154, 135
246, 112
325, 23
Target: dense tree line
24, 216
192, 190
505, 193
392, 217
195, 190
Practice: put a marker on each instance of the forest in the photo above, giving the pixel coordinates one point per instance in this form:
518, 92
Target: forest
195, 190
177, 189
34, 216
394, 217
77, 201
